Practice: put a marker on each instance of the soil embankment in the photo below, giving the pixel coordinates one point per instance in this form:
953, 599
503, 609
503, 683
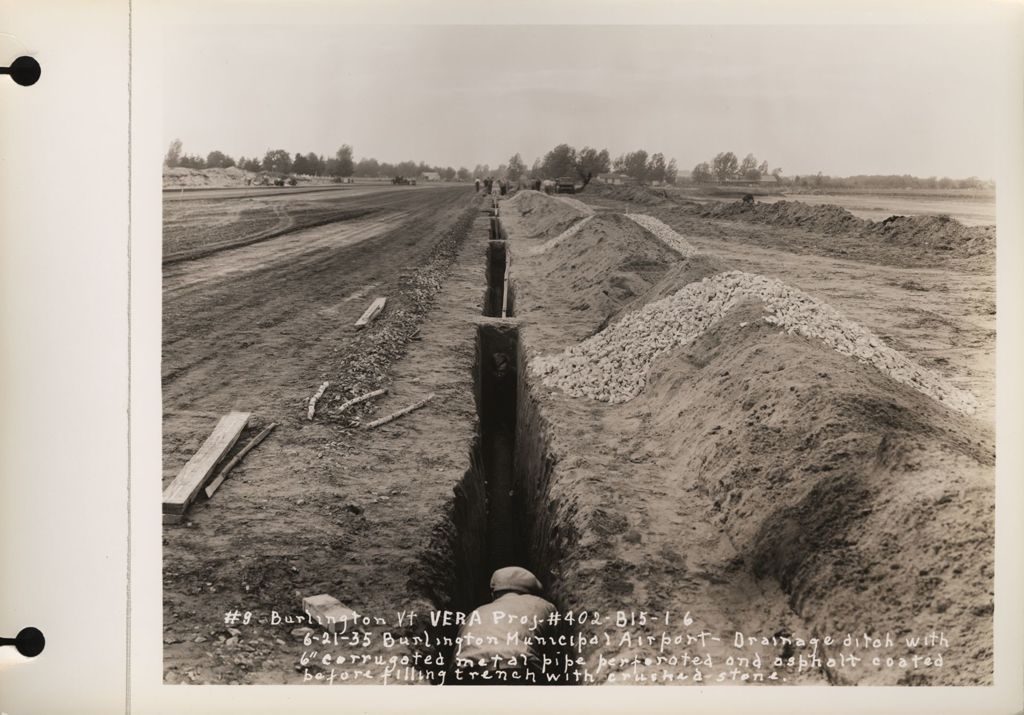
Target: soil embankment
756, 469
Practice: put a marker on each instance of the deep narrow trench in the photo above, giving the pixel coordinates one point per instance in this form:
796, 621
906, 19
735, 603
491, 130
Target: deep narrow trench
499, 297
491, 523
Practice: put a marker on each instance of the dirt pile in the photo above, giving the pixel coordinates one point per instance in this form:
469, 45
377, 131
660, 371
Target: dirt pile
608, 262
563, 236
933, 233
181, 177
869, 503
939, 233
613, 365
644, 195
664, 233
825, 218
586, 209
533, 214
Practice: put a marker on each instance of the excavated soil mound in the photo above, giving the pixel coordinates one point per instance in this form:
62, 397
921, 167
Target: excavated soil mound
606, 262
775, 458
869, 503
180, 176
647, 196
939, 233
826, 218
532, 214
933, 233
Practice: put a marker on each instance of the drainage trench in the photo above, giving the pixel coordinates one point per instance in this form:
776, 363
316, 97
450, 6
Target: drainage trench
499, 297
499, 515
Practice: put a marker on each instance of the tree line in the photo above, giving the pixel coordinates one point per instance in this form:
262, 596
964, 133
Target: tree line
563, 160
280, 161
727, 167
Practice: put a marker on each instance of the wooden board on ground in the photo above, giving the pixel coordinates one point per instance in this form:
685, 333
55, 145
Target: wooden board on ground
183, 490
372, 312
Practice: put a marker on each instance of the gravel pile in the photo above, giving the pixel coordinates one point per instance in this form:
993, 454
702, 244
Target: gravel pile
613, 365
567, 233
664, 233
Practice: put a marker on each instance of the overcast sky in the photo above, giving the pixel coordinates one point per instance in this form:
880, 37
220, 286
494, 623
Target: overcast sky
841, 100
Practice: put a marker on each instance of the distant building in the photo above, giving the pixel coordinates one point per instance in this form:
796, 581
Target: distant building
430, 176
615, 178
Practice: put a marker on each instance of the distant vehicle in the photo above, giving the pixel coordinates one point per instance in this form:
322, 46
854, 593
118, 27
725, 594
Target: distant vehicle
403, 180
565, 185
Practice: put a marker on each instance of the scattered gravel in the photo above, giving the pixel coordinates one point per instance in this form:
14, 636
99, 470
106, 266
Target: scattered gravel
613, 365
664, 233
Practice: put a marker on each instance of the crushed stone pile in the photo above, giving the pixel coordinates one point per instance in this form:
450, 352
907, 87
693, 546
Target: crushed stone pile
664, 233
613, 365
935, 233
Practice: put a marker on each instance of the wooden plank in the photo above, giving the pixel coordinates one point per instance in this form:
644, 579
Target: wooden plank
372, 312
362, 398
183, 490
403, 411
311, 410
504, 285
238, 458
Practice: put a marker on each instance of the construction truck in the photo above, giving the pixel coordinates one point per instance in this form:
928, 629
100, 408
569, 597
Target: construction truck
403, 180
565, 185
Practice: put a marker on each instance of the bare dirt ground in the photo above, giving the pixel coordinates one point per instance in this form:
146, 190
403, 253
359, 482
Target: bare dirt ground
320, 506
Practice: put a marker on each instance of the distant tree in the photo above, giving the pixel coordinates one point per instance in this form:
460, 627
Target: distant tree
702, 173
463, 174
777, 173
619, 164
560, 161
537, 168
218, 160
671, 172
590, 163
365, 167
763, 168
301, 166
656, 168
252, 164
448, 173
725, 166
635, 165
516, 168
173, 156
407, 168
345, 165
278, 161
748, 169
386, 169
191, 161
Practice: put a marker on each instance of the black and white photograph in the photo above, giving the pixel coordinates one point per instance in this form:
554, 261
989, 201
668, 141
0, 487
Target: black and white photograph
511, 347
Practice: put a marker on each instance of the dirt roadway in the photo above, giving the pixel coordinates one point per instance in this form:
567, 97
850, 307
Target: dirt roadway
260, 335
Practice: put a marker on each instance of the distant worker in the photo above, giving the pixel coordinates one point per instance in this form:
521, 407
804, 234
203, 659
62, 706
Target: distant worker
498, 645
478, 185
